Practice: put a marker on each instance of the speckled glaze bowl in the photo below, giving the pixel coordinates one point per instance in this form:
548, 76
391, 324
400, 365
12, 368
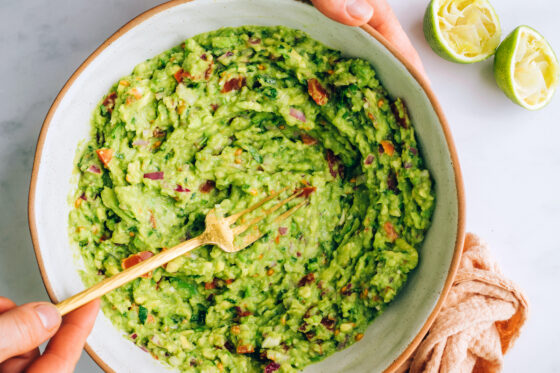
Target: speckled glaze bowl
391, 338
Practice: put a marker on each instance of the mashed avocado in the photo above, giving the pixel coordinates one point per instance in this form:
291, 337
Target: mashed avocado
225, 119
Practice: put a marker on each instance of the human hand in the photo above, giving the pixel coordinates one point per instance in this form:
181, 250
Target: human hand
24, 328
379, 15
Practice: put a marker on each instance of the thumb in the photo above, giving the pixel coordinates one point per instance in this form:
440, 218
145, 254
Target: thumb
26, 327
349, 12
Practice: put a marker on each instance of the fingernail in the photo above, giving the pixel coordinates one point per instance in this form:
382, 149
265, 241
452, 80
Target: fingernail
359, 9
48, 314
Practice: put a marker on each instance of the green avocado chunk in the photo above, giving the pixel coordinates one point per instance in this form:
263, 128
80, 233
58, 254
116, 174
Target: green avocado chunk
223, 120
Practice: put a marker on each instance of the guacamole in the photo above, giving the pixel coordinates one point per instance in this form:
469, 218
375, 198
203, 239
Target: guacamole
225, 119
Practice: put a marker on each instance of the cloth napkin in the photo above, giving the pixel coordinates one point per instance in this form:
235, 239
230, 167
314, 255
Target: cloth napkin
479, 321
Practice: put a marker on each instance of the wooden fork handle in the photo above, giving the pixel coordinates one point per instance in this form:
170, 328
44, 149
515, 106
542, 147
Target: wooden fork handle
129, 274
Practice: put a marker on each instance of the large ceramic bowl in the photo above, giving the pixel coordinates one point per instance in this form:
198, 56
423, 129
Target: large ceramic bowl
391, 338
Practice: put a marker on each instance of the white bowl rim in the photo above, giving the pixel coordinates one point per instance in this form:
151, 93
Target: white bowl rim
417, 75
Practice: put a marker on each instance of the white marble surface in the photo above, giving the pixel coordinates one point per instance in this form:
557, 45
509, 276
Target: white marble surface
510, 157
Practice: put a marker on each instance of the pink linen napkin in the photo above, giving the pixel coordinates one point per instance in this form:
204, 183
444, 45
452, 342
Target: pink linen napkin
479, 321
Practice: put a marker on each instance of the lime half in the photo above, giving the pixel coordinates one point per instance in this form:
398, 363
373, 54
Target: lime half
463, 31
526, 68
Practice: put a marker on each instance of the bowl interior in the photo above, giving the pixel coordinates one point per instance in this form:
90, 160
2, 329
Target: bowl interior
152, 33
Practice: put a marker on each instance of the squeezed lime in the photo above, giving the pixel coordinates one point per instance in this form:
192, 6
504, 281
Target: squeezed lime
526, 68
462, 31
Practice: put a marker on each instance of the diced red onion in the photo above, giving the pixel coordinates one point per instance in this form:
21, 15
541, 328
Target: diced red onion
140, 143
332, 161
143, 348
94, 169
369, 159
83, 196
180, 189
154, 175
255, 41
298, 114
413, 150
207, 186
282, 230
271, 367
407, 164
133, 335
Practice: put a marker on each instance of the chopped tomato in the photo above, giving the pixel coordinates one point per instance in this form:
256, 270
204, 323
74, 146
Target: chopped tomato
317, 92
234, 84
306, 191
390, 230
242, 313
136, 93
307, 279
109, 101
134, 259
308, 140
209, 70
105, 155
388, 147
178, 75
245, 349
182, 74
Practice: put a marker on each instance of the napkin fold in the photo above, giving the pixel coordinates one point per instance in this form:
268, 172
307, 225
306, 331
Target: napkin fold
479, 321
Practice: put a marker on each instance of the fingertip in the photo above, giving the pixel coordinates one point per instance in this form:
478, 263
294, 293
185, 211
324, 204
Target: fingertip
348, 12
6, 304
64, 349
359, 10
26, 327
48, 315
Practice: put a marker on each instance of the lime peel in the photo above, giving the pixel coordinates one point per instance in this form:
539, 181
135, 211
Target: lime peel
463, 31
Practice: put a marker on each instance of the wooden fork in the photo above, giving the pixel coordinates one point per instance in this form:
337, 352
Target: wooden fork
220, 231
